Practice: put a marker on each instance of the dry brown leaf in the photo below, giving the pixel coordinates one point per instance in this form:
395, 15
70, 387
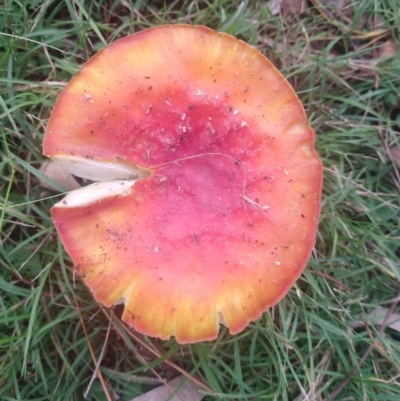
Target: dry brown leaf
274, 6
287, 7
293, 6
388, 49
188, 391
57, 174
342, 8
394, 154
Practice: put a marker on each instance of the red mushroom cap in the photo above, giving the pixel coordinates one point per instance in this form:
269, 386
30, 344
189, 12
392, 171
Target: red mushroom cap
212, 196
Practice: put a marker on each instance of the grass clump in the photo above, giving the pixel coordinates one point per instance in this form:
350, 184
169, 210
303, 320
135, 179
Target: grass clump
318, 336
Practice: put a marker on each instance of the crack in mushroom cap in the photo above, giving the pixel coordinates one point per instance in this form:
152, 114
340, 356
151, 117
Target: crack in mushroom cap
222, 218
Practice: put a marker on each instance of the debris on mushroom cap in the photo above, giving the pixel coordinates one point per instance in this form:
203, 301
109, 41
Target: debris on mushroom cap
214, 209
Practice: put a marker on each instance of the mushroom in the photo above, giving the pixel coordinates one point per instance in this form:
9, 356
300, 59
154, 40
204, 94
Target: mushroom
209, 187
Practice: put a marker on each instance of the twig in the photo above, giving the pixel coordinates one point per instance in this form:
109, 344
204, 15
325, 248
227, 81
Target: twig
143, 362
332, 396
158, 355
328, 277
96, 370
101, 377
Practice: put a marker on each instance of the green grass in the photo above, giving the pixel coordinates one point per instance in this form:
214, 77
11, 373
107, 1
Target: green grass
302, 349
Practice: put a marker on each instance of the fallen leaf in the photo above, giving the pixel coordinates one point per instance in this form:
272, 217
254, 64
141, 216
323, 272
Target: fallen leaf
394, 154
57, 174
377, 316
293, 6
342, 8
185, 390
274, 6
342, 13
388, 49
